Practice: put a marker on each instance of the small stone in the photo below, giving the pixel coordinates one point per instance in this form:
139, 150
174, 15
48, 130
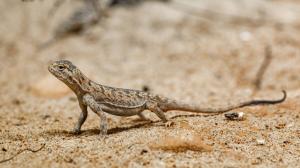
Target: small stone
260, 141
50, 87
235, 116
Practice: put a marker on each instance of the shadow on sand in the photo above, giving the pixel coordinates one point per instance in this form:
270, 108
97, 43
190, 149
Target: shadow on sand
92, 132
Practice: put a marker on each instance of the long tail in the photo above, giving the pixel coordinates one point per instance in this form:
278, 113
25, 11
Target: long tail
173, 105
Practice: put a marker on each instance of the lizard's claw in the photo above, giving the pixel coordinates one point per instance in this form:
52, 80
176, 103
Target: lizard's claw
169, 123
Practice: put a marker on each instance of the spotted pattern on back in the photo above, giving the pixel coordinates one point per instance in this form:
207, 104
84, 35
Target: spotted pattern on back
118, 97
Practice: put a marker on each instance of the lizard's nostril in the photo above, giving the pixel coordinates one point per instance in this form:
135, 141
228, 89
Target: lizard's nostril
50, 68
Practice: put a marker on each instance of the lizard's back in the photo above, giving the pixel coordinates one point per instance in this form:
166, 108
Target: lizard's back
119, 96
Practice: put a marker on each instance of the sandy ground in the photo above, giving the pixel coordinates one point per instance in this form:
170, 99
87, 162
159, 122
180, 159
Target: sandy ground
206, 52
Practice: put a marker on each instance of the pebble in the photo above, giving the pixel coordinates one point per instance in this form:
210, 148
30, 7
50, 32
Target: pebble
260, 141
235, 116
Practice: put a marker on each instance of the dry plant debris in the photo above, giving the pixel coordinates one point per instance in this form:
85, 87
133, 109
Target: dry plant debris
21, 151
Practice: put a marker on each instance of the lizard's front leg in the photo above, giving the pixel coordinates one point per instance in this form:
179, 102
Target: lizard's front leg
96, 107
82, 117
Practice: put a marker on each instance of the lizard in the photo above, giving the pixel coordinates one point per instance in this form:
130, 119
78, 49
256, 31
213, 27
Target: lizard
103, 99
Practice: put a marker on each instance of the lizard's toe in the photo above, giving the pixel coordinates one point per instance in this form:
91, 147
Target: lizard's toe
169, 123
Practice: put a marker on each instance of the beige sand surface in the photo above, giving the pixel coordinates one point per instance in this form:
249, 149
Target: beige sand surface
207, 52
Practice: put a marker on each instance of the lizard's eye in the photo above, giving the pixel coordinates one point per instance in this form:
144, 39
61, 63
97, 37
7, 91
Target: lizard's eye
61, 67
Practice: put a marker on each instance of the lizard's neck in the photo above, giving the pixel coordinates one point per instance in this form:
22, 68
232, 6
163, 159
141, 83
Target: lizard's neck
80, 84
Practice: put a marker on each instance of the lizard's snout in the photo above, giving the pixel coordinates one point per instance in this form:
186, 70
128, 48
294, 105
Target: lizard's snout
50, 67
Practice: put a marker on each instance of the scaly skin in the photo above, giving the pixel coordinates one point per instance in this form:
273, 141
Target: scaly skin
125, 102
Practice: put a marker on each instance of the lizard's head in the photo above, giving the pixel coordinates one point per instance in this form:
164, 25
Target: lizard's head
68, 73
65, 71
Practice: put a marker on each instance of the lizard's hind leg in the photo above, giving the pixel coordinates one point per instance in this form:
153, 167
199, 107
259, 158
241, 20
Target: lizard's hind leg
142, 116
103, 122
155, 109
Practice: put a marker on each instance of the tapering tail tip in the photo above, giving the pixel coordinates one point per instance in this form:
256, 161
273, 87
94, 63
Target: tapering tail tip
278, 100
284, 96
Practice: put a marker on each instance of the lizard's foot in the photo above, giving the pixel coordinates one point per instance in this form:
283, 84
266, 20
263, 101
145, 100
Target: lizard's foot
103, 135
103, 132
76, 131
103, 128
169, 123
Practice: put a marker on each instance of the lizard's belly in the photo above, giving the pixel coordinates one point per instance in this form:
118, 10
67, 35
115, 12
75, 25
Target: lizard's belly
122, 111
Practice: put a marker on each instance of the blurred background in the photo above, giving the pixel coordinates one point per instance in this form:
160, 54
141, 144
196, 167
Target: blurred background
174, 47
210, 52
